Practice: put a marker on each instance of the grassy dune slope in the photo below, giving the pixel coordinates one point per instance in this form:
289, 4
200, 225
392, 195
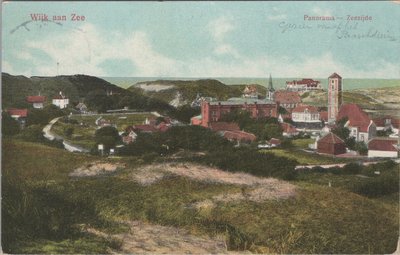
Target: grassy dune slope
45, 211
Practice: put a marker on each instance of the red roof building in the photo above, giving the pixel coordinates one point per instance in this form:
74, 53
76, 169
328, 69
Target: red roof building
17, 113
275, 141
36, 101
303, 85
287, 99
224, 126
383, 148
323, 116
360, 125
213, 111
145, 128
335, 76
288, 130
331, 144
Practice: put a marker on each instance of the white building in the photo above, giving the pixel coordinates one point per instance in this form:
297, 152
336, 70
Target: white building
61, 101
383, 148
305, 114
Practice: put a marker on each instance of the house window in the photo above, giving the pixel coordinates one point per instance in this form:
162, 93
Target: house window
214, 113
362, 137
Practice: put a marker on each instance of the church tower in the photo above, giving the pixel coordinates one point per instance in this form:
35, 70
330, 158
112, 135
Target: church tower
270, 90
334, 96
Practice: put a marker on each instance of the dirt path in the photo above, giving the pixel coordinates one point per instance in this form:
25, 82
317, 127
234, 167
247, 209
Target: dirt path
144, 238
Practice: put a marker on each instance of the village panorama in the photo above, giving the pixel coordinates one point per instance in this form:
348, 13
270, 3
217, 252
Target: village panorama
198, 166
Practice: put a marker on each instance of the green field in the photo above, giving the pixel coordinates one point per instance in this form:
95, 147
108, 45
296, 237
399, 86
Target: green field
305, 158
84, 131
43, 209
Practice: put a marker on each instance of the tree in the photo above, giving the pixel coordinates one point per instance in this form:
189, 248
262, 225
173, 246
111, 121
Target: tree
68, 131
9, 126
108, 136
361, 147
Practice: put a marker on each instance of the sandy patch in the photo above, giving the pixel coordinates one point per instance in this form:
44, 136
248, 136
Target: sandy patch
96, 168
254, 188
154, 87
150, 238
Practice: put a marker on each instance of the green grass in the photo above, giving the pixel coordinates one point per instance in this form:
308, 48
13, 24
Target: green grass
305, 158
302, 143
83, 135
38, 196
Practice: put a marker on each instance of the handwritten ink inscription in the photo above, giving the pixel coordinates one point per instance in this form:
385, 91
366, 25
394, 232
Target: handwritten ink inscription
45, 17
344, 27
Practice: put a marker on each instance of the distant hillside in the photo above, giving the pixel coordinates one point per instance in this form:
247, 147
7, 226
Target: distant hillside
16, 88
183, 92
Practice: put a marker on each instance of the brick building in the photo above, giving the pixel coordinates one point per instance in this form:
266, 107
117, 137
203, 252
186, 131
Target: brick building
212, 111
331, 144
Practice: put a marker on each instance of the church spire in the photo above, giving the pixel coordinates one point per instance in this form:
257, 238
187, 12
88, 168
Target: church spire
270, 90
270, 87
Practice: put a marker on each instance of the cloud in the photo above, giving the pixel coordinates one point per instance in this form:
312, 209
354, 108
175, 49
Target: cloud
87, 50
220, 27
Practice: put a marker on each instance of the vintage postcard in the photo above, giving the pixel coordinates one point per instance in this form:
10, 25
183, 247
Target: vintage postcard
200, 127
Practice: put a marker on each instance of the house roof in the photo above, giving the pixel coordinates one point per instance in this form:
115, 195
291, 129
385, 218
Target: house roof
287, 97
275, 141
239, 135
396, 123
145, 128
335, 75
288, 128
307, 82
356, 116
35, 99
224, 126
381, 144
303, 108
331, 138
323, 115
18, 112
59, 97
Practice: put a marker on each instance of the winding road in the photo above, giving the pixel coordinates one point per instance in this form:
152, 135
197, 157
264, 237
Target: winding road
67, 145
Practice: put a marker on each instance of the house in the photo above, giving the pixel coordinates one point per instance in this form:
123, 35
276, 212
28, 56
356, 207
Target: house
331, 144
36, 101
361, 127
18, 114
129, 137
305, 113
145, 128
287, 99
383, 148
288, 130
250, 91
323, 115
306, 117
196, 120
303, 85
275, 142
61, 101
82, 108
212, 111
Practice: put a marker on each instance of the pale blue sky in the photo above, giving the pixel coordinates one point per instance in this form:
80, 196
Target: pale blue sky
204, 39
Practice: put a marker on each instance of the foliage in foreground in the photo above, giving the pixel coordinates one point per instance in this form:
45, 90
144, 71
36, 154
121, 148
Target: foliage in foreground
43, 209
